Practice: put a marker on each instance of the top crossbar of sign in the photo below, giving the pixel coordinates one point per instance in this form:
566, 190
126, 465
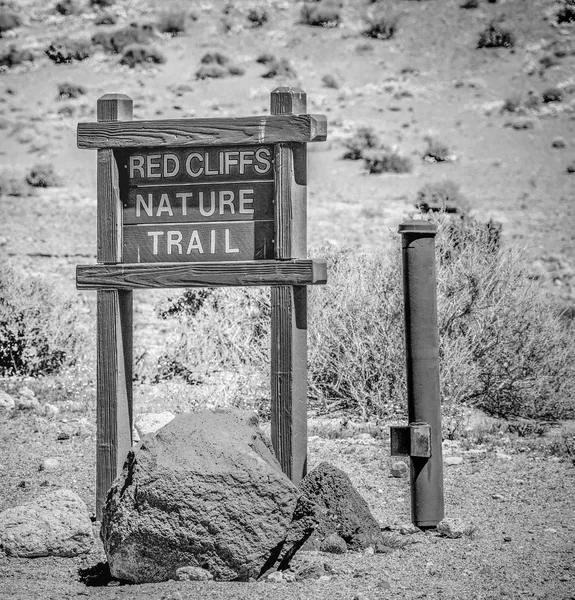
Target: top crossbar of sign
203, 132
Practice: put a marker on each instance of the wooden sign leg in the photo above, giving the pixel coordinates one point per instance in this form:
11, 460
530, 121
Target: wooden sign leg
114, 321
289, 303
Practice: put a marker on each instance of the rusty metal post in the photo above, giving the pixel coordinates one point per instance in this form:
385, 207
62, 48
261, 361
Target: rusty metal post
422, 366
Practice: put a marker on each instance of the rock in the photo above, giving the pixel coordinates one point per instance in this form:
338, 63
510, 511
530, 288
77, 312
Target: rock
313, 570
25, 403
289, 576
558, 142
147, 423
63, 435
49, 465
497, 497
454, 528
193, 574
204, 491
275, 577
342, 509
369, 551
6, 401
334, 544
56, 524
452, 460
26, 392
398, 469
50, 410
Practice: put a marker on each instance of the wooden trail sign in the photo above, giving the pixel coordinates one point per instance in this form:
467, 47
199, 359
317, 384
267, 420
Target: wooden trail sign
201, 203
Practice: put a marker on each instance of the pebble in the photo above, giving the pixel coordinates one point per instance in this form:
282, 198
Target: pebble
26, 392
452, 460
558, 142
289, 576
324, 578
506, 538
369, 551
453, 528
63, 435
50, 465
50, 410
398, 469
276, 577
497, 497
334, 544
25, 403
408, 529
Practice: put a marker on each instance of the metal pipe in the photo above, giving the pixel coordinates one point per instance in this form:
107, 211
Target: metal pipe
422, 367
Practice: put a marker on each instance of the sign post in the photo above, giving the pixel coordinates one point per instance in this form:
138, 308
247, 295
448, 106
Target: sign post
201, 203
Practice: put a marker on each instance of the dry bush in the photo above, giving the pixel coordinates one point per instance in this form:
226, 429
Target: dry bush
330, 81
257, 16
8, 20
66, 50
13, 185
326, 13
43, 175
216, 65
117, 40
174, 22
386, 160
381, 25
470, 4
496, 36
364, 139
14, 56
102, 3
68, 7
39, 330
552, 94
566, 14
436, 151
68, 90
443, 196
280, 68
141, 54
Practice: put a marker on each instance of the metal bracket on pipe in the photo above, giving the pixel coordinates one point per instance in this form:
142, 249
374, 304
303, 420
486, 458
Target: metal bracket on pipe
413, 440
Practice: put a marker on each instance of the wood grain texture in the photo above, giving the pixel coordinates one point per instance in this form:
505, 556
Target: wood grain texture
289, 304
114, 316
252, 273
203, 132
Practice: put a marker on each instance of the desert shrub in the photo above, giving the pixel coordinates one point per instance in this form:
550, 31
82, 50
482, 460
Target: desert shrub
140, 54
365, 138
280, 68
330, 81
549, 60
39, 329
470, 4
495, 36
173, 22
265, 59
381, 25
257, 16
187, 303
68, 7
386, 160
14, 56
13, 185
512, 103
216, 65
212, 71
68, 90
441, 196
571, 168
102, 3
8, 20
566, 14
117, 40
215, 58
106, 18
326, 13
552, 94
436, 151
65, 50
43, 175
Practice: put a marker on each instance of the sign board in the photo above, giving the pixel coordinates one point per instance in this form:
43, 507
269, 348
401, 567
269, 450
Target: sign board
203, 204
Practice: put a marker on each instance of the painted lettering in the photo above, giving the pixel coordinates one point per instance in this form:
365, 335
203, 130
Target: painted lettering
137, 164
174, 239
245, 200
155, 235
147, 206
153, 162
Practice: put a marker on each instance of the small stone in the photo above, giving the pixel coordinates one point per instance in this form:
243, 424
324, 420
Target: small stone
453, 528
289, 576
49, 465
398, 469
451, 461
384, 585
506, 538
503, 456
497, 497
147, 423
558, 142
324, 577
408, 529
63, 435
275, 577
193, 574
334, 544
369, 551
550, 530
26, 392
113, 583
564, 578
6, 401
25, 403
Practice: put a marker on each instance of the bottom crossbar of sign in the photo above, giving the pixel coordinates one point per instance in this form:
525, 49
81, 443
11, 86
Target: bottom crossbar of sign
212, 274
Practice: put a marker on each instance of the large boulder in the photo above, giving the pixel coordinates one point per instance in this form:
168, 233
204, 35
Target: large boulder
342, 510
56, 524
204, 491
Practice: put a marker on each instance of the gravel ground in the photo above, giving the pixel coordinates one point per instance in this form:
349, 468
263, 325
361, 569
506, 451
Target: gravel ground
520, 502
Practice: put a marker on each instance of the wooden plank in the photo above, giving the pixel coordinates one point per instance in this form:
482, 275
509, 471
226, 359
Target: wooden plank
114, 320
193, 203
203, 132
202, 164
198, 242
251, 273
289, 304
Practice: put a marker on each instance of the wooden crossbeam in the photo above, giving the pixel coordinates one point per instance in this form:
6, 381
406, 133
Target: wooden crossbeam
216, 274
203, 132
